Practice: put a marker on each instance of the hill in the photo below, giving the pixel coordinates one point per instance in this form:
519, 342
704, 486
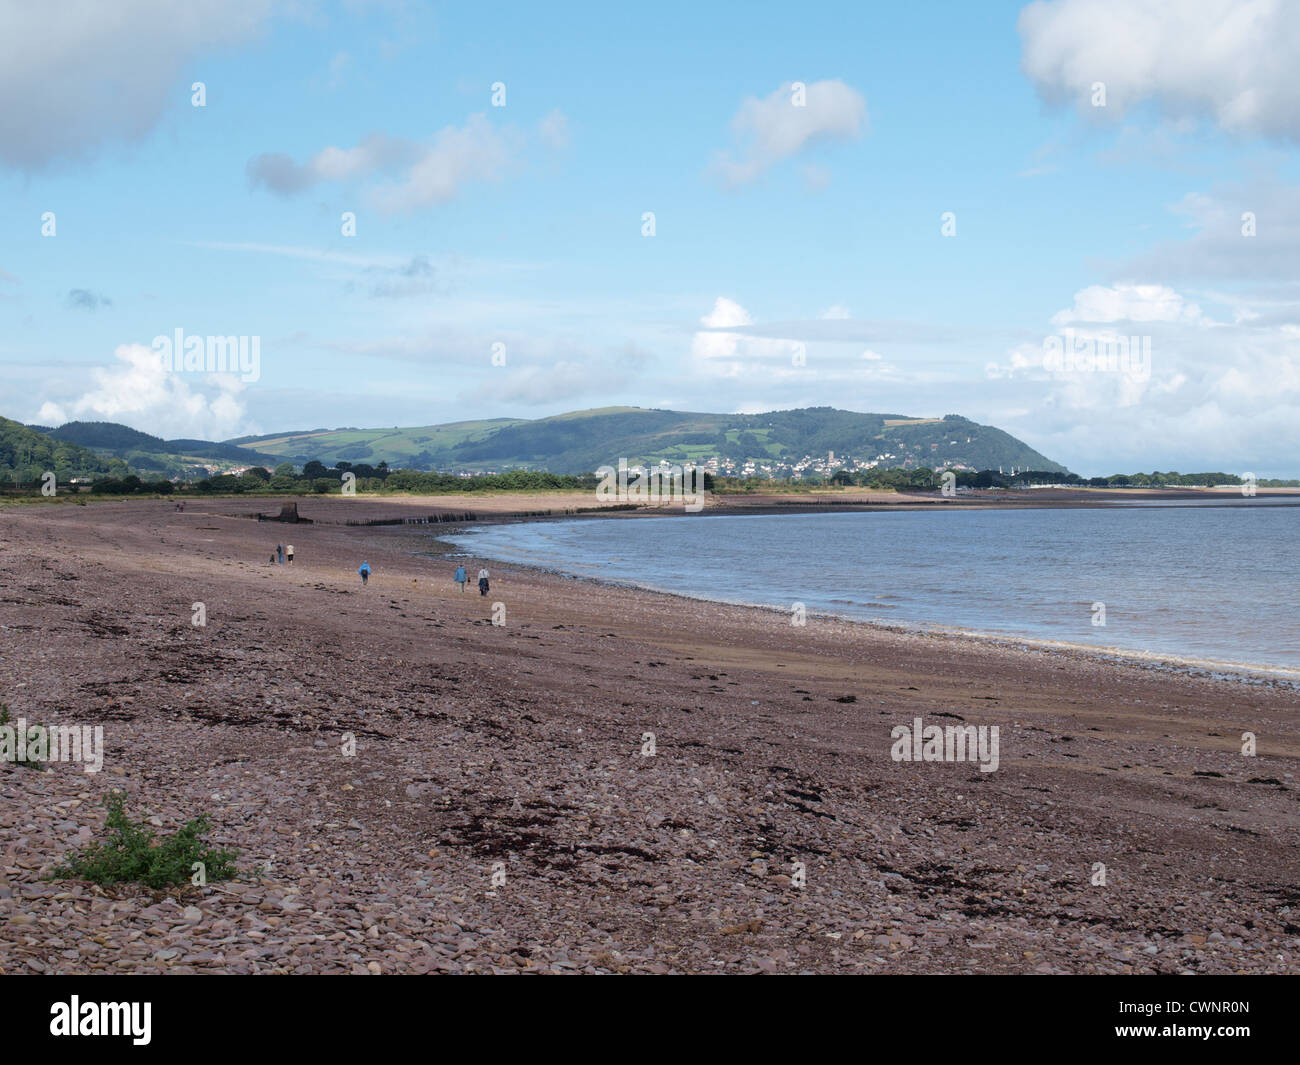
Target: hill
425, 447
151, 455
777, 443
27, 453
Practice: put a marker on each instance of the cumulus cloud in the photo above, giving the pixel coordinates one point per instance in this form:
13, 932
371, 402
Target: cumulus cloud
716, 345
88, 74
139, 392
1217, 391
1128, 303
720, 351
1105, 315
1228, 61
783, 124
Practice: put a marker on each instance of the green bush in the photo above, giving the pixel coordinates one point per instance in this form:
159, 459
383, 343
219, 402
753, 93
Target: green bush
132, 854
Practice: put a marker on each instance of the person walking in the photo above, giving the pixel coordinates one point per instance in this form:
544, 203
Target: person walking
460, 578
288, 551
364, 570
279, 550
483, 581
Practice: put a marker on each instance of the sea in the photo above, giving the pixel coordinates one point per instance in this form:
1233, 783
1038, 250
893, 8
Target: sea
1213, 583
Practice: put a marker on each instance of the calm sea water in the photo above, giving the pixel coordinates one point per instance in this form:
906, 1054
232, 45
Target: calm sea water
1215, 583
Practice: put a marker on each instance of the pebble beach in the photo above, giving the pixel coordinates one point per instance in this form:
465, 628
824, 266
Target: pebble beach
566, 776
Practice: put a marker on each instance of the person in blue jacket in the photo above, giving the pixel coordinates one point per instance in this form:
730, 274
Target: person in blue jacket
460, 578
364, 570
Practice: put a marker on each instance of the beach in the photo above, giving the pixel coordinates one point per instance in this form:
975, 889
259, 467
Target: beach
607, 780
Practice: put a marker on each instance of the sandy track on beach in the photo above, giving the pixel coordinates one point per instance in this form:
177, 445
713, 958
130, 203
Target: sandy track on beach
521, 744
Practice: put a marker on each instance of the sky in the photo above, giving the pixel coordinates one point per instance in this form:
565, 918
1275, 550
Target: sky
423, 213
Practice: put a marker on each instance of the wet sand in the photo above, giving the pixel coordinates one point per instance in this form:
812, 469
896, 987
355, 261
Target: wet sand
516, 750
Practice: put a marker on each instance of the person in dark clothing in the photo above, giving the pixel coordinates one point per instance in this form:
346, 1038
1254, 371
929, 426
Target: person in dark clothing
483, 581
279, 550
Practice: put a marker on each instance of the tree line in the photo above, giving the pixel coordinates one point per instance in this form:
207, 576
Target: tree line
316, 478
319, 479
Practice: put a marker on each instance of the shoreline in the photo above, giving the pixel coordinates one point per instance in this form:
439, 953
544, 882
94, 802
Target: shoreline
1248, 673
1245, 672
497, 505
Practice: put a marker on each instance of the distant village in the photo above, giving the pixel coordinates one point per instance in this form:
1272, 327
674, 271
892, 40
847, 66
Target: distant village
807, 466
810, 465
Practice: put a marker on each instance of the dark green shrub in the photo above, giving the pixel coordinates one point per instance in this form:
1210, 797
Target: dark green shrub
132, 854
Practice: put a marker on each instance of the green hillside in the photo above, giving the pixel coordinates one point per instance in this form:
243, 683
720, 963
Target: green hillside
25, 455
152, 456
777, 443
422, 448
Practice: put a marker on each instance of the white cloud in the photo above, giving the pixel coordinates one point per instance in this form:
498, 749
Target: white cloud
139, 392
774, 128
82, 74
726, 313
1229, 61
1215, 394
1128, 303
723, 353
720, 345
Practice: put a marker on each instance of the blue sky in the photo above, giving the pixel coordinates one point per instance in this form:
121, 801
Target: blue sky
798, 256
